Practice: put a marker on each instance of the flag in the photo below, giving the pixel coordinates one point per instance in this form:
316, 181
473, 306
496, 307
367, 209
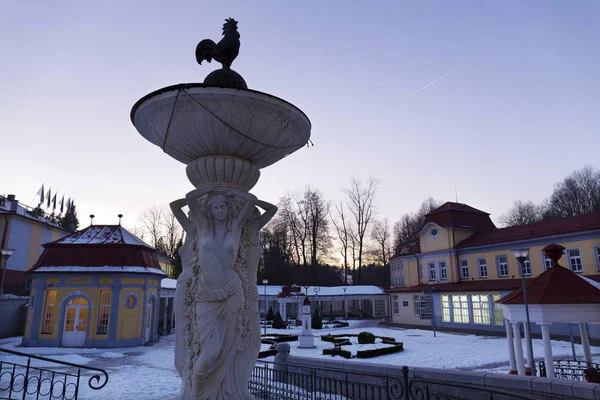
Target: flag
49, 197
41, 194
54, 202
62, 204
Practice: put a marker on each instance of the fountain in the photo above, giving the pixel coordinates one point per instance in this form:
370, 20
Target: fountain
224, 133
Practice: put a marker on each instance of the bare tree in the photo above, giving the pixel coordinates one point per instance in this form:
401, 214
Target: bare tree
318, 225
343, 235
161, 228
152, 223
173, 234
409, 225
361, 203
381, 235
297, 229
522, 213
578, 194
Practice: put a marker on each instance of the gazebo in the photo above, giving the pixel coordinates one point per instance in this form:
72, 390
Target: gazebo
558, 295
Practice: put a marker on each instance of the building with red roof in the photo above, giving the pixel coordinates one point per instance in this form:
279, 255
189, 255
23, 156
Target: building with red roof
98, 287
461, 264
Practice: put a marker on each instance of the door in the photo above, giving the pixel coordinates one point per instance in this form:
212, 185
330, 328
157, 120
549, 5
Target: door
76, 323
148, 320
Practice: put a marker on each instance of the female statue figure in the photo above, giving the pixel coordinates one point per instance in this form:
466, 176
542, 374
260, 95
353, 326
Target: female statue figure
190, 245
220, 299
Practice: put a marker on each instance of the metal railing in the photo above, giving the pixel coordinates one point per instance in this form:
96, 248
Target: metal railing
27, 381
274, 381
573, 370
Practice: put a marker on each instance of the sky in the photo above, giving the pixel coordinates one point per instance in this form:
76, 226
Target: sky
490, 101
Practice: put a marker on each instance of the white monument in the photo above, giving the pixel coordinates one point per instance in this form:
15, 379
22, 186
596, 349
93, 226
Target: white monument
224, 133
306, 339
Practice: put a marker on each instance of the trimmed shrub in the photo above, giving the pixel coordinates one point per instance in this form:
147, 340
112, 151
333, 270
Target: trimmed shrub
366, 337
337, 352
398, 347
270, 315
277, 321
267, 353
316, 321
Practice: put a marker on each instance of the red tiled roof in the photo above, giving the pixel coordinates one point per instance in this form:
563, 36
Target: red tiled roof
558, 285
580, 223
465, 286
459, 215
98, 246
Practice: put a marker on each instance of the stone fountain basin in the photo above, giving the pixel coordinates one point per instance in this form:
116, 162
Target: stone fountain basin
193, 121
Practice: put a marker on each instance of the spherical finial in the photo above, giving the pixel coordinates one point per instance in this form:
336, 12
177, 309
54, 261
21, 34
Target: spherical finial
554, 252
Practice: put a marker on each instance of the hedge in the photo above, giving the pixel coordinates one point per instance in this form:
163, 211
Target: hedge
337, 352
267, 353
274, 338
380, 352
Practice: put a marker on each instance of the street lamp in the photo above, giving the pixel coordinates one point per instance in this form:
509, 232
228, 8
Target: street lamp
316, 289
345, 307
265, 281
521, 255
6, 253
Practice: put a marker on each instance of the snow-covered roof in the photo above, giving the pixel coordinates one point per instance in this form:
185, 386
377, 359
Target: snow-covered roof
274, 290
168, 283
106, 268
101, 234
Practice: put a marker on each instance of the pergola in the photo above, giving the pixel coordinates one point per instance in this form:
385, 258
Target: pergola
558, 295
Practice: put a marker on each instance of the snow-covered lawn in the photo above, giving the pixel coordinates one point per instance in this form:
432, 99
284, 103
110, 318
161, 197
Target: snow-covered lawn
147, 371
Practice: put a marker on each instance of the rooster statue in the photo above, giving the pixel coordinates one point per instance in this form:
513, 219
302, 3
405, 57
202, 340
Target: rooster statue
225, 51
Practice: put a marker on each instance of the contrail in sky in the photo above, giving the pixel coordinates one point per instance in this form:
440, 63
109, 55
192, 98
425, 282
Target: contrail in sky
437, 80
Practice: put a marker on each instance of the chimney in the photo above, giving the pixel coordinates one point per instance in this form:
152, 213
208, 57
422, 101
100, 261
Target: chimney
13, 203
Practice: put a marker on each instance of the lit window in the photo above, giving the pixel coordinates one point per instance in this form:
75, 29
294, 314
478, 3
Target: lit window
575, 262
103, 312
483, 270
460, 308
498, 318
464, 269
443, 271
432, 274
49, 311
396, 305
481, 309
445, 299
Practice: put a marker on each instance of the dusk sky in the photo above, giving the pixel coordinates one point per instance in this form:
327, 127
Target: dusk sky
517, 107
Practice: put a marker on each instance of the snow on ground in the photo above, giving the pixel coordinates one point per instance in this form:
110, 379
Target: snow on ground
147, 372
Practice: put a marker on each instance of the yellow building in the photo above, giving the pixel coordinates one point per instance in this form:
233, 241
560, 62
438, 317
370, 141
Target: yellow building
99, 287
23, 231
461, 264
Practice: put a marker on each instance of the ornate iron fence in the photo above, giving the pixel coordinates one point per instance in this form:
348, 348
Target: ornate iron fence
573, 370
273, 381
27, 381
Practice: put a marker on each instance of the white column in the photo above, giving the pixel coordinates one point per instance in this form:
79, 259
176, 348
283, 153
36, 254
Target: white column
511, 348
548, 359
284, 313
528, 345
373, 305
585, 342
518, 348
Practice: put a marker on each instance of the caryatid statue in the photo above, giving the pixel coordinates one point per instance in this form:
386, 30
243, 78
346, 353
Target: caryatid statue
225, 133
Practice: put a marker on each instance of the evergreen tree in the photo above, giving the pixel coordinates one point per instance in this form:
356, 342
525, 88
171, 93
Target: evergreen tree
277, 321
316, 321
270, 315
178, 267
69, 221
